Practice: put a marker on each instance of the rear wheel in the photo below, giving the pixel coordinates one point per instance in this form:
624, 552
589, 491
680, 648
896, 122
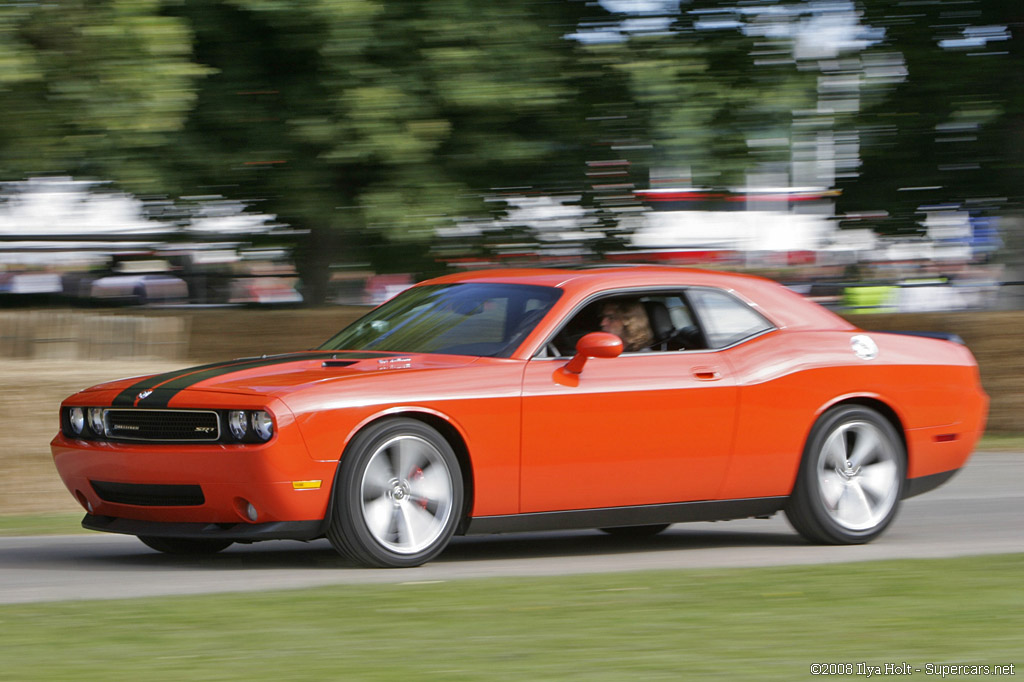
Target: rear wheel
851, 478
398, 497
184, 546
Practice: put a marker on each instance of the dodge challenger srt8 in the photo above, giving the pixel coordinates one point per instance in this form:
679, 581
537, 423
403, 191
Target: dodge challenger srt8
502, 401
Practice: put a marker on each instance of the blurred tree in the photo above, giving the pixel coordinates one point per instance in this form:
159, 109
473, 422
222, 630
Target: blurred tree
385, 115
705, 101
741, 88
681, 106
93, 88
372, 122
952, 133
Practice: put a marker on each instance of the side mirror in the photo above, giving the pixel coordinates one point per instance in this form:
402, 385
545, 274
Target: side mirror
594, 345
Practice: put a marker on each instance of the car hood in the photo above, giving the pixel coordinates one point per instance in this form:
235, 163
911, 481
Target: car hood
273, 375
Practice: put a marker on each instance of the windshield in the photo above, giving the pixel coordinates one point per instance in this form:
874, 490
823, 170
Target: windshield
474, 318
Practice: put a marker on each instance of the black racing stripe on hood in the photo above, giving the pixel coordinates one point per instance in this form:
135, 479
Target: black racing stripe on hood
163, 394
128, 395
166, 386
163, 387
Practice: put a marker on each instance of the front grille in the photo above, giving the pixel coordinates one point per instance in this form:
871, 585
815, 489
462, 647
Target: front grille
163, 425
149, 495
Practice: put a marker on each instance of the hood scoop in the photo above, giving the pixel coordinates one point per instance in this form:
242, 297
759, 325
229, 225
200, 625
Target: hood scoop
379, 362
338, 363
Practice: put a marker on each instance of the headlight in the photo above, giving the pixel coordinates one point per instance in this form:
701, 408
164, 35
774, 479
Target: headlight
262, 424
76, 419
96, 421
238, 422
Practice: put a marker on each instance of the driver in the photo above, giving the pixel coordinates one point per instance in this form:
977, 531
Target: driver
627, 320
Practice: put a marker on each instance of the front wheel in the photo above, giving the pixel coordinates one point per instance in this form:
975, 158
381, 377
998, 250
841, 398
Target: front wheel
398, 497
850, 479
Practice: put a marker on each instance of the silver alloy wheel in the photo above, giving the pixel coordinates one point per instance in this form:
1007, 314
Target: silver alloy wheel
858, 475
406, 494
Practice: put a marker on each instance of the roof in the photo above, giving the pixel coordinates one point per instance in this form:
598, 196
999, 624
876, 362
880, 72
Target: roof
577, 277
783, 307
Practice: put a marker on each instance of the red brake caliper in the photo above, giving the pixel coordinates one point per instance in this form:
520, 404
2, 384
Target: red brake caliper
417, 475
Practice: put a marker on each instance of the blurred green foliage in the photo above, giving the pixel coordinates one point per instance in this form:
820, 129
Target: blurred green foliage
956, 123
372, 122
93, 88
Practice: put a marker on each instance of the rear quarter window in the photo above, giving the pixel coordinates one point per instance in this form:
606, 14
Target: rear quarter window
726, 319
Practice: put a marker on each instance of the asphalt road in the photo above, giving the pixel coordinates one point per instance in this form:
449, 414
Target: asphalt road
978, 512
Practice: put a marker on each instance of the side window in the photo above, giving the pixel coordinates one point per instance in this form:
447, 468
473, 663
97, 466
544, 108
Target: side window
645, 321
672, 323
679, 312
725, 318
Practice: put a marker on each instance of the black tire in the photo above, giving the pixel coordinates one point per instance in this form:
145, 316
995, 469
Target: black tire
636, 531
851, 478
398, 496
184, 546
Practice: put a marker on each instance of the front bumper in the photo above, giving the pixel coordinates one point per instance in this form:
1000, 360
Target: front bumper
225, 484
917, 486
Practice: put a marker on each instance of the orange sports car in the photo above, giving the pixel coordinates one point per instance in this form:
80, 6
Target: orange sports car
624, 399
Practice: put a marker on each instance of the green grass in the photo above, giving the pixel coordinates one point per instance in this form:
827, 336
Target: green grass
40, 524
767, 623
1001, 442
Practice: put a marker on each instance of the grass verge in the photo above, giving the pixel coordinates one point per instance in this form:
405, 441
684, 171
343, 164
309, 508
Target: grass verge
1001, 442
766, 623
40, 524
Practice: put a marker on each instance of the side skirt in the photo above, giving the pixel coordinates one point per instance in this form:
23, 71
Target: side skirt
717, 510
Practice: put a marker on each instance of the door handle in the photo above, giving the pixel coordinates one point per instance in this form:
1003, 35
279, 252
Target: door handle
707, 373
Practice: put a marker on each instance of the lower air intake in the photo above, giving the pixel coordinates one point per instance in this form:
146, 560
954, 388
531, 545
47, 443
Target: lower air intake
149, 495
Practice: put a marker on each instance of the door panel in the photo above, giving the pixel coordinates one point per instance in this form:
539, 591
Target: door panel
642, 428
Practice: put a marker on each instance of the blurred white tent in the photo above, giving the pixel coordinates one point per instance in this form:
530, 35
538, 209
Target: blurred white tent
68, 222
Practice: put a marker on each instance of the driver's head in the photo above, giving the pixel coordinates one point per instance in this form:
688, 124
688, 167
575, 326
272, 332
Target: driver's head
627, 320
